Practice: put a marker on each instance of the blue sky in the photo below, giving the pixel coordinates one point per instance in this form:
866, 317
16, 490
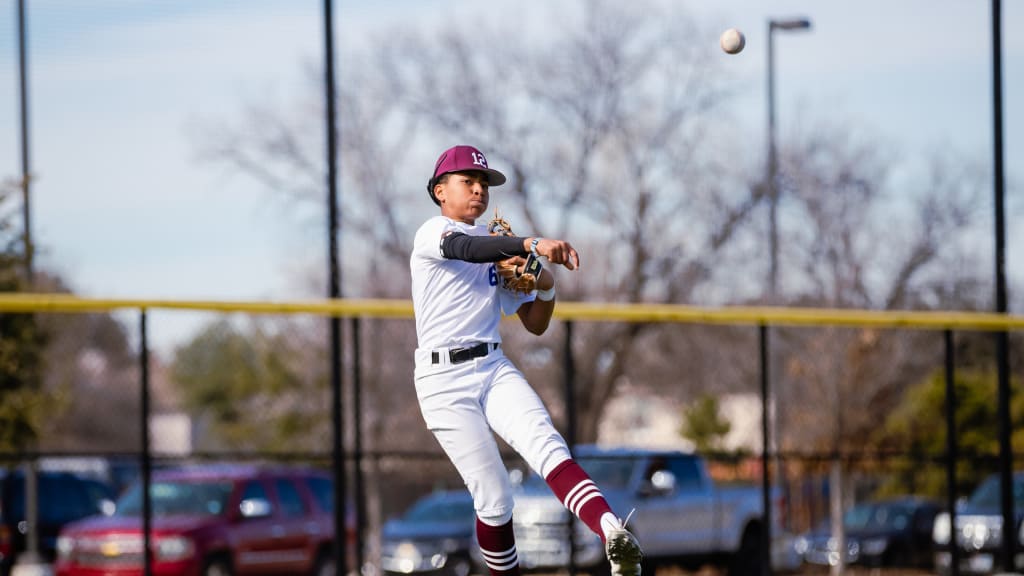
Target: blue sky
123, 208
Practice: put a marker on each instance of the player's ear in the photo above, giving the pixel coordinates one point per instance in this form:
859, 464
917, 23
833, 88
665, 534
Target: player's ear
439, 191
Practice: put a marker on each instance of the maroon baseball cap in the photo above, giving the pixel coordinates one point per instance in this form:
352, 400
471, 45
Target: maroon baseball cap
462, 159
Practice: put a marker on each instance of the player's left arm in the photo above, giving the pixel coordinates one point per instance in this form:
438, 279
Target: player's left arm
536, 315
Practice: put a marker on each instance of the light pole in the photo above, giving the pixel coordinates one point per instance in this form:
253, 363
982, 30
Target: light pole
30, 560
1008, 549
770, 388
773, 165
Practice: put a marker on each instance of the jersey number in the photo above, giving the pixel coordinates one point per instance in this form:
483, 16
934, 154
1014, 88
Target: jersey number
492, 275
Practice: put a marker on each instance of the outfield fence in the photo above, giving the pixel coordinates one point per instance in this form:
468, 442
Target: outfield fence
818, 393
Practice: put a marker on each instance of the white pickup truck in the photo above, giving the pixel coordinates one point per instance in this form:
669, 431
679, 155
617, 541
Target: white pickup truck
679, 515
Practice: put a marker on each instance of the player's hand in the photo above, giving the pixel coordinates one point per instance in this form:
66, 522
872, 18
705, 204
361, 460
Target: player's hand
559, 252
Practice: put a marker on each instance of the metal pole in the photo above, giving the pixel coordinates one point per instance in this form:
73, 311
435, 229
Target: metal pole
357, 425
26, 166
570, 432
31, 554
951, 456
766, 499
773, 196
836, 507
334, 291
1002, 338
147, 455
789, 24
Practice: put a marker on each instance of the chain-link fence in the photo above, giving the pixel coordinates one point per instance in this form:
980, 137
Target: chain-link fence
856, 415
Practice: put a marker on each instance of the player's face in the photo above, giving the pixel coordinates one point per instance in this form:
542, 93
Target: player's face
463, 196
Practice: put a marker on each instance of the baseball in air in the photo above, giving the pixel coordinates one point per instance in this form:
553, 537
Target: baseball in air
732, 41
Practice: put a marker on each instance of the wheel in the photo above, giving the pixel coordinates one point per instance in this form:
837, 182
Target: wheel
747, 560
324, 566
217, 567
458, 566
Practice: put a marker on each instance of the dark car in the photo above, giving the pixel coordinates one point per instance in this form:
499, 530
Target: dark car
890, 532
979, 529
217, 520
433, 536
62, 498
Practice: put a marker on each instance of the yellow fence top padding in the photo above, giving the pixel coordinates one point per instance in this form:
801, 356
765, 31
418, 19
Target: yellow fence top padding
586, 311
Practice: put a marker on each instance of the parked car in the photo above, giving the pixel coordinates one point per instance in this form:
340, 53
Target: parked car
979, 529
211, 521
681, 516
433, 536
114, 472
889, 532
62, 498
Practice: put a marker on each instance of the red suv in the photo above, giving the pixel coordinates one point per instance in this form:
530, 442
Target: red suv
211, 521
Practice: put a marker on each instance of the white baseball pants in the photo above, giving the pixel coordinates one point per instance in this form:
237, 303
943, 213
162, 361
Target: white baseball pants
462, 403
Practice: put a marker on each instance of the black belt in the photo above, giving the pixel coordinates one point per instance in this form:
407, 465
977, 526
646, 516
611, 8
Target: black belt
458, 355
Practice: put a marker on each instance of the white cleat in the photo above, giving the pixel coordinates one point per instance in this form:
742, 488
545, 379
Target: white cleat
623, 553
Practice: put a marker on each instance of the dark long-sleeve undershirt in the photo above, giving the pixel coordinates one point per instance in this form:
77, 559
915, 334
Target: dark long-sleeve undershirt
459, 246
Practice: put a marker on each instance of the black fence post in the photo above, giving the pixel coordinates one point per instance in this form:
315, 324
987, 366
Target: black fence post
766, 533
357, 424
334, 292
147, 455
570, 432
951, 455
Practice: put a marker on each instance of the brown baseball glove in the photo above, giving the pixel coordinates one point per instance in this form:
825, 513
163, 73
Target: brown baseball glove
517, 274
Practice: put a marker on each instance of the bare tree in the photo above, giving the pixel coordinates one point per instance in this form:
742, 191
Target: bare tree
862, 239
859, 236
606, 130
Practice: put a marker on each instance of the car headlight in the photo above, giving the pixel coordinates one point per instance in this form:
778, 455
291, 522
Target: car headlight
801, 545
874, 546
408, 557
853, 549
65, 547
424, 548
174, 548
941, 529
408, 551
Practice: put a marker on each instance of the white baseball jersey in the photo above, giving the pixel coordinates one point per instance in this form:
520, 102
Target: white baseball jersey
456, 302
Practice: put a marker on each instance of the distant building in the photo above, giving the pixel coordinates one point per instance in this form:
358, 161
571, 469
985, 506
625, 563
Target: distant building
652, 421
649, 421
171, 433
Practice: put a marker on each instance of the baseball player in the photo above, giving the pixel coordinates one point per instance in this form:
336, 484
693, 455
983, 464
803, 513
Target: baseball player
465, 384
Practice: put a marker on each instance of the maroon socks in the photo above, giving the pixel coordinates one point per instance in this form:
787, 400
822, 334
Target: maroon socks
579, 494
498, 545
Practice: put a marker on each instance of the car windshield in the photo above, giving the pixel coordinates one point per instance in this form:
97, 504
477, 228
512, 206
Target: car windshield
988, 494
609, 473
177, 497
440, 510
876, 516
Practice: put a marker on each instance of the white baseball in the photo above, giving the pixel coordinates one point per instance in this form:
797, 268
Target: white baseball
732, 41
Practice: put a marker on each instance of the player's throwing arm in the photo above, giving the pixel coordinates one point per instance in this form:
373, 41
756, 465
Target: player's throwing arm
557, 252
